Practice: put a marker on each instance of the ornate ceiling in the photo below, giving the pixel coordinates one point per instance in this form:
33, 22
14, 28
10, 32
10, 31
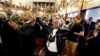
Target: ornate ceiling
70, 7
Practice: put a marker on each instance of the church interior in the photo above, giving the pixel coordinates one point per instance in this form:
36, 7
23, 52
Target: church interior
49, 27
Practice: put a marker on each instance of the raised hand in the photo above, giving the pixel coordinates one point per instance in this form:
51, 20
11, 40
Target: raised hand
95, 33
13, 25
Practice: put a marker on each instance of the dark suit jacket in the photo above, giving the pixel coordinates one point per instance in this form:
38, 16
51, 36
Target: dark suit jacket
10, 39
27, 34
8, 35
38, 31
60, 38
45, 28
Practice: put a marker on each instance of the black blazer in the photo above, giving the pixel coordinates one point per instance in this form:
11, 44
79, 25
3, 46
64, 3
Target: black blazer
60, 38
26, 32
9, 37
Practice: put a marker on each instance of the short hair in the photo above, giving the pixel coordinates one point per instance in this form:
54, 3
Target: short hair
78, 17
97, 21
3, 16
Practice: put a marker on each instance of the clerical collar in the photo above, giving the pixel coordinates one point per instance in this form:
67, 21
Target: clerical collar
54, 32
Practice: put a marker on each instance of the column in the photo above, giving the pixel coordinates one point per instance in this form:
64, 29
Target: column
37, 6
11, 3
45, 7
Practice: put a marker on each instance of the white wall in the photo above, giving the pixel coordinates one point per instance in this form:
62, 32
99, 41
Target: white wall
44, 0
89, 4
30, 2
95, 13
23, 2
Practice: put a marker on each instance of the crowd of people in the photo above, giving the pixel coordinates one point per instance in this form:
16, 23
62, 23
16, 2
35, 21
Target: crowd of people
73, 36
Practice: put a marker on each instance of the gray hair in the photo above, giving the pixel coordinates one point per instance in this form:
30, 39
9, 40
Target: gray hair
3, 16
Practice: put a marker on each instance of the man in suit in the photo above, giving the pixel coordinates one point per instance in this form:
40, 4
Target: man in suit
26, 31
53, 48
9, 13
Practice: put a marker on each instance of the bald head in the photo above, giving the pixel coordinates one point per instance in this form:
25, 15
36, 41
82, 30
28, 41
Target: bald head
9, 11
3, 16
56, 23
77, 20
27, 16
